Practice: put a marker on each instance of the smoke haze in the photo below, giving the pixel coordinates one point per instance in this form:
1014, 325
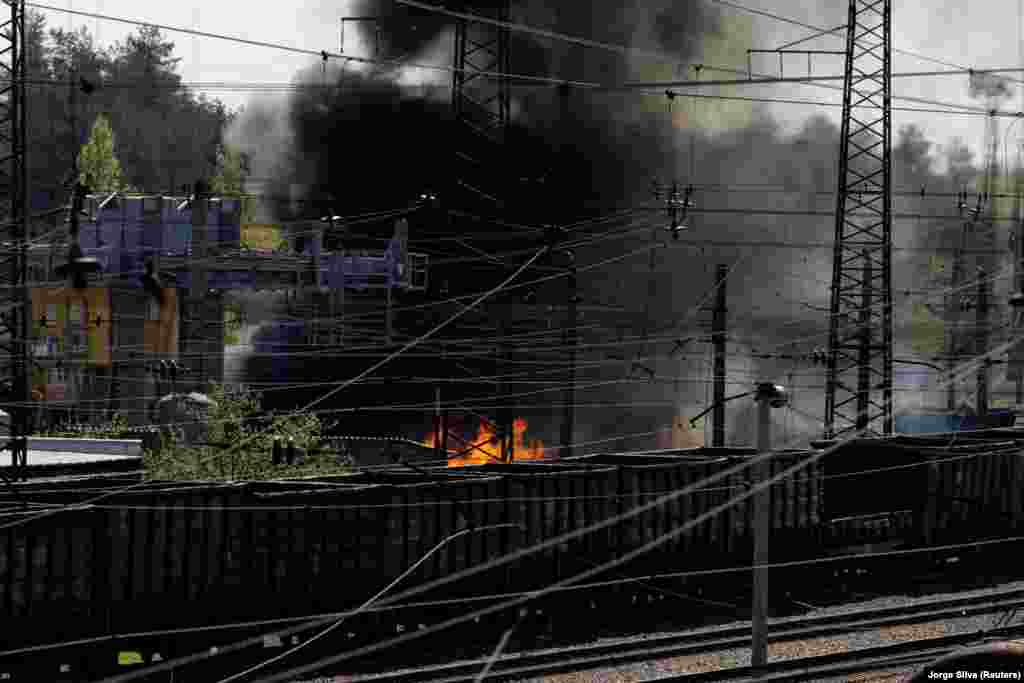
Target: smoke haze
373, 140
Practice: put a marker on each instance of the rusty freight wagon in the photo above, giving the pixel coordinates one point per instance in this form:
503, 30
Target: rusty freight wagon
926, 489
137, 559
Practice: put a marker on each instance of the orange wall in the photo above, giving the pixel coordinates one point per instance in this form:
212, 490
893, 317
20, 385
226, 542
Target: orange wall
90, 303
161, 336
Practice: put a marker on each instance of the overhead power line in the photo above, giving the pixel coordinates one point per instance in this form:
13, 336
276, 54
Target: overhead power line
513, 78
319, 54
675, 83
626, 50
523, 28
282, 87
824, 31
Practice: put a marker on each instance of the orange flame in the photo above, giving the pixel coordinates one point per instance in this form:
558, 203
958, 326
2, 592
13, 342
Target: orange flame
488, 448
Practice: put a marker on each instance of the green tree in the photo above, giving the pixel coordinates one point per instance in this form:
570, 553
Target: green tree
236, 417
99, 167
230, 177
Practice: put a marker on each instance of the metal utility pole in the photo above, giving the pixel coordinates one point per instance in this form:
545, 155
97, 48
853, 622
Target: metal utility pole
569, 336
199, 287
954, 306
388, 317
439, 425
981, 347
986, 234
505, 420
569, 339
951, 345
768, 396
1015, 367
14, 195
718, 338
864, 350
862, 255
482, 101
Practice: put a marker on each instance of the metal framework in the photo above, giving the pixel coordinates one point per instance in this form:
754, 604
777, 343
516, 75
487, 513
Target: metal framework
479, 101
480, 105
985, 237
859, 388
14, 299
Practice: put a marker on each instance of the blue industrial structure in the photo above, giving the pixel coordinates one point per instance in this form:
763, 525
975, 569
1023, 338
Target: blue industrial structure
940, 422
122, 232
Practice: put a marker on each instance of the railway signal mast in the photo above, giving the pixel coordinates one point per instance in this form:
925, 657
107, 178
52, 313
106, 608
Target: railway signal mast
859, 388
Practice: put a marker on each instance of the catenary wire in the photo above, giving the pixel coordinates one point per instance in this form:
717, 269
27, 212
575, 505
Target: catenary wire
562, 538
452, 622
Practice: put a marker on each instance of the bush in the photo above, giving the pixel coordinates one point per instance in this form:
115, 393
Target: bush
117, 428
240, 446
241, 441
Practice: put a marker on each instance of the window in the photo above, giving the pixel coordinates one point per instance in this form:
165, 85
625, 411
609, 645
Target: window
153, 310
45, 346
51, 314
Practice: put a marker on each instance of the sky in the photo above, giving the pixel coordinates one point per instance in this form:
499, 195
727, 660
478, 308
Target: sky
944, 30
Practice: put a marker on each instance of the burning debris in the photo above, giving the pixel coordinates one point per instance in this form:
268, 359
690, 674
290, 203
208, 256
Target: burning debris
485, 447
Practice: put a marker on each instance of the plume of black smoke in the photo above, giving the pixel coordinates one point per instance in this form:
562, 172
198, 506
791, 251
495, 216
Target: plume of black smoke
367, 143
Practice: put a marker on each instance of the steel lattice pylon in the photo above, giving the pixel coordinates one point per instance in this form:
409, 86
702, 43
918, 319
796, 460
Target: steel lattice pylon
14, 297
481, 105
481, 101
859, 388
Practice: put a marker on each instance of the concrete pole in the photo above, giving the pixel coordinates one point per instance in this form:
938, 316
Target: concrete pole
762, 532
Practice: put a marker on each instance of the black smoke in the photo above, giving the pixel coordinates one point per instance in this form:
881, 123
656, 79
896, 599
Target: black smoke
365, 143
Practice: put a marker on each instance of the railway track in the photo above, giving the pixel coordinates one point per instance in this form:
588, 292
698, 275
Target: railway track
899, 656
622, 651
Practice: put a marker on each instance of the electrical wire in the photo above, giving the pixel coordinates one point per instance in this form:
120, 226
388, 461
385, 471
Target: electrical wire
555, 541
538, 499
482, 598
319, 54
832, 31
416, 565
348, 383
513, 78
642, 340
561, 538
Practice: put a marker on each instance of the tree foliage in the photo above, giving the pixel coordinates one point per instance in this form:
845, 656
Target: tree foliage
240, 446
229, 180
98, 165
164, 135
236, 418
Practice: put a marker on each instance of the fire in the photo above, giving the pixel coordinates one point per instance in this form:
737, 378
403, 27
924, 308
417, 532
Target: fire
488, 449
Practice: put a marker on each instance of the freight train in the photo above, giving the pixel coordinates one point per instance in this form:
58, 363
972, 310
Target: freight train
165, 555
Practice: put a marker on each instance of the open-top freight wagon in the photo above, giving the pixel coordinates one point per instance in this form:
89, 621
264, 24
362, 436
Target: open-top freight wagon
169, 555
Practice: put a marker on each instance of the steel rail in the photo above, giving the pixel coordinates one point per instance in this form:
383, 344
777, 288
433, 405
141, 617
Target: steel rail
621, 652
